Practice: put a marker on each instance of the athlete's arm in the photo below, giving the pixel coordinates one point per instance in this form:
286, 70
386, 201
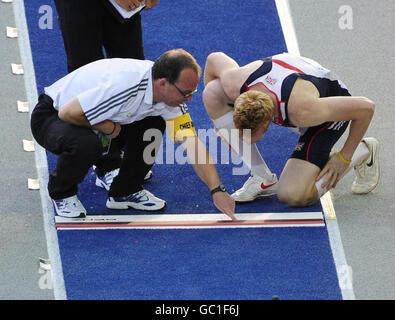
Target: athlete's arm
360, 111
203, 165
72, 112
223, 79
217, 63
306, 109
230, 74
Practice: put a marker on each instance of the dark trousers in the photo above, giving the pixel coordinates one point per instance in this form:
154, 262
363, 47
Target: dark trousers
88, 26
78, 148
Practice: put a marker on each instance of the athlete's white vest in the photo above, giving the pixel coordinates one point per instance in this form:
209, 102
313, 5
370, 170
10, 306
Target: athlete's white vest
284, 65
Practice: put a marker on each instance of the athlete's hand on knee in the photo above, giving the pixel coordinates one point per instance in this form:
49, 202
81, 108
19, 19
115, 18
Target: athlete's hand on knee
332, 171
225, 203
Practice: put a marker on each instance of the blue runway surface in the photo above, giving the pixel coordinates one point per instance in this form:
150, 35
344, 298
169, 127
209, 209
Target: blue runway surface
233, 263
199, 264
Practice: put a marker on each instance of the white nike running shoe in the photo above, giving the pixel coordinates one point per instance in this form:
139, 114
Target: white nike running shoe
106, 180
256, 187
368, 172
141, 200
70, 207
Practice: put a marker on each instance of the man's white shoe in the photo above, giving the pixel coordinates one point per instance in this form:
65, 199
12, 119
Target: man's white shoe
70, 207
107, 179
141, 200
256, 187
368, 172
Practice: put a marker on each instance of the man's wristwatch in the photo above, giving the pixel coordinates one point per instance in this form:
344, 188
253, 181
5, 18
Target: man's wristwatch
221, 188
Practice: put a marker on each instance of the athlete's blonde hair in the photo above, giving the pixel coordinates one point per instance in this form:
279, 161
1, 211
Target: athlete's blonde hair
252, 110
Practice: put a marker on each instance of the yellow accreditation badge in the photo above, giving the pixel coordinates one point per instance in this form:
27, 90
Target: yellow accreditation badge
180, 128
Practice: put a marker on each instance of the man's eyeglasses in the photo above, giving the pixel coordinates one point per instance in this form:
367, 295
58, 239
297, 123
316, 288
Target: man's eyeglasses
185, 94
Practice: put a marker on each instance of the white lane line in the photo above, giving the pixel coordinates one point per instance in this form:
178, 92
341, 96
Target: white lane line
288, 27
40, 155
343, 270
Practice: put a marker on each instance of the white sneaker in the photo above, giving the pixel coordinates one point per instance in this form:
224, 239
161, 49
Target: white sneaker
70, 207
368, 172
107, 179
141, 200
256, 187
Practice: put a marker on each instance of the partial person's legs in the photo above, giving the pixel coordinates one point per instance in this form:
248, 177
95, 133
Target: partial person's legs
134, 167
296, 186
77, 149
123, 40
81, 23
126, 191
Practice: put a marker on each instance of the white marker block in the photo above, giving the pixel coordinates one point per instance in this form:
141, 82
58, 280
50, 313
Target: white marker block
17, 68
28, 145
23, 106
33, 184
12, 32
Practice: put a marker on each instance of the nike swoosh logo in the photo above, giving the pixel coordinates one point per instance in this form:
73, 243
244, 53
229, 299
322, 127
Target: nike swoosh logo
371, 161
263, 186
